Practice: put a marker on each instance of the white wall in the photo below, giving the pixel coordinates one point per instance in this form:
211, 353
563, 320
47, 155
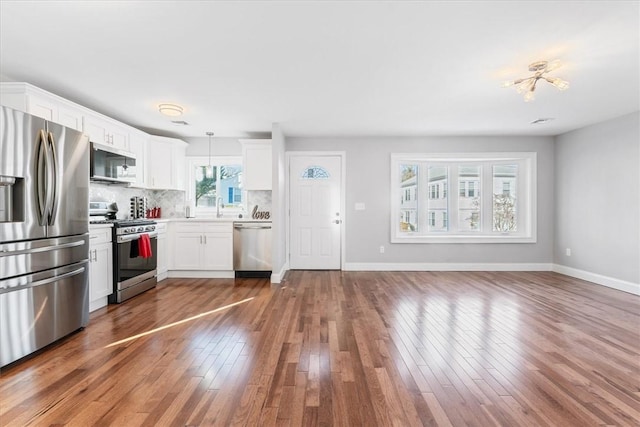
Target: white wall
597, 199
367, 181
278, 205
219, 146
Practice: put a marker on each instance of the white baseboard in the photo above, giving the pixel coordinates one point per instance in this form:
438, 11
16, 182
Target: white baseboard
277, 277
365, 266
98, 303
610, 282
198, 274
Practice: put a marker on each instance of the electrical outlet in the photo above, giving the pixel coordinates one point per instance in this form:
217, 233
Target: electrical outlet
568, 251
381, 249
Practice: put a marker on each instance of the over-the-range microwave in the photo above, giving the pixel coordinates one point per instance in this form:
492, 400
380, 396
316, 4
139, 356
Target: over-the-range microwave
112, 165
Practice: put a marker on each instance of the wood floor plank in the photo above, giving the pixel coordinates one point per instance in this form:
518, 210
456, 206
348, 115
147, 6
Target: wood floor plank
344, 349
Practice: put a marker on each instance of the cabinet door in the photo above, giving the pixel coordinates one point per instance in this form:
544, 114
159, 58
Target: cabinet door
101, 271
119, 137
218, 251
256, 169
104, 132
138, 146
159, 165
163, 256
178, 160
70, 117
96, 130
186, 253
42, 107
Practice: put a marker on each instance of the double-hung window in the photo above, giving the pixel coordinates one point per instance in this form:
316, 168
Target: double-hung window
464, 198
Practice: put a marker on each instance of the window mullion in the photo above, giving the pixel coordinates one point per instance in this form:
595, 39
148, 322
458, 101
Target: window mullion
486, 198
422, 198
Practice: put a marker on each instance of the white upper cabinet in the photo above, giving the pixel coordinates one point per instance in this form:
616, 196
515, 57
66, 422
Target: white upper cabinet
166, 163
105, 131
35, 101
138, 146
257, 161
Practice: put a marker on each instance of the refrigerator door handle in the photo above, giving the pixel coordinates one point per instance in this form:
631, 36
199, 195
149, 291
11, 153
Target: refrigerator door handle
53, 207
42, 189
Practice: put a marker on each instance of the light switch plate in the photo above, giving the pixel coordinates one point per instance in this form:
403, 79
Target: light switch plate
359, 206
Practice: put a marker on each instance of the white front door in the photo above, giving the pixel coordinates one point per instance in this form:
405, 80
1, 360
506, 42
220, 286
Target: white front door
315, 183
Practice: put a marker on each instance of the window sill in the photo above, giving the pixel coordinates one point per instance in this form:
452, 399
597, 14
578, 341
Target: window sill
462, 239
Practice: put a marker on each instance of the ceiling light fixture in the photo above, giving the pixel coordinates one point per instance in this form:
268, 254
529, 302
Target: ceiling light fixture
209, 169
527, 85
172, 110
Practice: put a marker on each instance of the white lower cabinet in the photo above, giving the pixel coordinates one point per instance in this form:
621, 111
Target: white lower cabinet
163, 253
200, 247
100, 267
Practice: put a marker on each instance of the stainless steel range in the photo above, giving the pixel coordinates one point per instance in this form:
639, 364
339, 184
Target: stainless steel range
134, 271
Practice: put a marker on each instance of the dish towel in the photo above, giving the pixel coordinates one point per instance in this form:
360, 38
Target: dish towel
144, 246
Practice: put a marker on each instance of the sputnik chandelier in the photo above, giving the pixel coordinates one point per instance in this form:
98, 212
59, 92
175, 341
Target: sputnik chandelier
527, 85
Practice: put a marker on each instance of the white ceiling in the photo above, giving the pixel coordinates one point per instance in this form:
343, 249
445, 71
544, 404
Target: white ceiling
328, 68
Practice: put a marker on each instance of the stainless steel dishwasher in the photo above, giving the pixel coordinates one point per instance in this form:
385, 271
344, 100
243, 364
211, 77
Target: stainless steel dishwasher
252, 248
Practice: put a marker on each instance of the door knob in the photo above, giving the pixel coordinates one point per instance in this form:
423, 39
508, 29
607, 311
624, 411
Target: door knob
337, 221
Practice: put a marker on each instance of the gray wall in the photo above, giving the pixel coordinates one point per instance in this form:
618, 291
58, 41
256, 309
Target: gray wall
597, 198
367, 181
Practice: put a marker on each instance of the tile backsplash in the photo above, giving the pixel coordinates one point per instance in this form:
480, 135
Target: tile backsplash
170, 201
260, 198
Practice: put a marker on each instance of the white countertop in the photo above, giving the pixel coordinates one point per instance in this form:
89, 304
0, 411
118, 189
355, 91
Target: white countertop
98, 226
223, 219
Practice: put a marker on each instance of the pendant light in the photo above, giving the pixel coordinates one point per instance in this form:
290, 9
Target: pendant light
209, 169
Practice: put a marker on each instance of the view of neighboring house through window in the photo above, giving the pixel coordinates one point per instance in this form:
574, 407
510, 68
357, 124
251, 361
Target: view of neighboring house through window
408, 202
504, 198
469, 200
495, 197
437, 177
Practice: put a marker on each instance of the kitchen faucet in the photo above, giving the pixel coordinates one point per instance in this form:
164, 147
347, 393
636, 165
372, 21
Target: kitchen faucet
218, 203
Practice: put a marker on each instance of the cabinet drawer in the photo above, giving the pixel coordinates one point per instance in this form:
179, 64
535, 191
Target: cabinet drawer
203, 227
161, 227
100, 235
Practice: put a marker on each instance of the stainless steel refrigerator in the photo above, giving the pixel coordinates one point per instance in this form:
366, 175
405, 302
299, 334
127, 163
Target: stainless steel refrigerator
44, 233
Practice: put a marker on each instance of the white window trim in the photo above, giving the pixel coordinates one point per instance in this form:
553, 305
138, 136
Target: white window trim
192, 162
526, 189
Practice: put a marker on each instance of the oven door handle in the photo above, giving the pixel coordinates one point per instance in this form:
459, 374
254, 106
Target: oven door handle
130, 237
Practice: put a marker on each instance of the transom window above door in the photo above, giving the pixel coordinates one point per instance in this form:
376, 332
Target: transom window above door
463, 198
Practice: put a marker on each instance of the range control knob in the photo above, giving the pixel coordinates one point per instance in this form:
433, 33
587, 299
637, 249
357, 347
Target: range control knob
140, 229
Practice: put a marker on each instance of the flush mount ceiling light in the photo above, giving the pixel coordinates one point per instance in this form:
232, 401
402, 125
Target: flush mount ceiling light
172, 110
527, 85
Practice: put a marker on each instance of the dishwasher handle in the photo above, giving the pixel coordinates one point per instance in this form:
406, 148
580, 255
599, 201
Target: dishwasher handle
251, 226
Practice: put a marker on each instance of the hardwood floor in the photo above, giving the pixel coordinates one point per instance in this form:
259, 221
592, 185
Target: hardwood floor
344, 348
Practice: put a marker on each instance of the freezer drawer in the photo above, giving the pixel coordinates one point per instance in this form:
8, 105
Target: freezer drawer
31, 256
40, 308
252, 246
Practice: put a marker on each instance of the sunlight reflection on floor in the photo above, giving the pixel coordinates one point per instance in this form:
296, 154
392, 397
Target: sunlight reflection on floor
189, 319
